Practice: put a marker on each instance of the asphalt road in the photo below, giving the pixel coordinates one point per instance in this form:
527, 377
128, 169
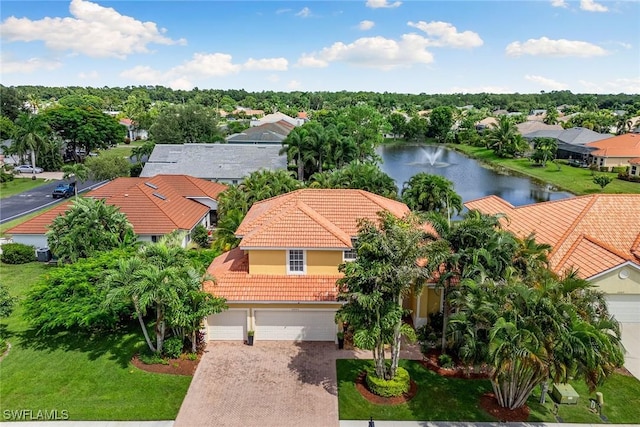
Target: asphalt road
30, 201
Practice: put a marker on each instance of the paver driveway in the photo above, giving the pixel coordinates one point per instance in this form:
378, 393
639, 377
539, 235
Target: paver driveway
272, 383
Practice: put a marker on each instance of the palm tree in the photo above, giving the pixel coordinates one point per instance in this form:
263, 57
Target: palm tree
31, 135
77, 170
142, 151
425, 192
503, 137
316, 146
294, 146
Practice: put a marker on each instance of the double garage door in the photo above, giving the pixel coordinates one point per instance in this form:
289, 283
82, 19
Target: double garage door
625, 308
275, 325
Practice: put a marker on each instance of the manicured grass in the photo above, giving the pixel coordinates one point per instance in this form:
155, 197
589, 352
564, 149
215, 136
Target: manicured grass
575, 180
449, 399
90, 377
124, 150
19, 185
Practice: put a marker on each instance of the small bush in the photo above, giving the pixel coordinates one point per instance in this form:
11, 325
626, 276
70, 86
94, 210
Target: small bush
200, 235
136, 169
389, 388
203, 257
173, 347
445, 361
17, 253
619, 169
3, 346
192, 356
152, 359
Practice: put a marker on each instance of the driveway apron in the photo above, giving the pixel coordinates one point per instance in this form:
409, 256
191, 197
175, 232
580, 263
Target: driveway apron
272, 383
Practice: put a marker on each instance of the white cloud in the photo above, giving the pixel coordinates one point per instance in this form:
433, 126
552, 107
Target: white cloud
592, 6
91, 75
481, 89
373, 52
8, 65
94, 30
620, 85
272, 64
304, 13
377, 4
545, 82
559, 3
366, 25
558, 48
294, 84
281, 11
443, 34
201, 65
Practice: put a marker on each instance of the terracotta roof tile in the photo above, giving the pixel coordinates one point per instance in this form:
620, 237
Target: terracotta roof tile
233, 282
576, 225
312, 218
627, 145
635, 161
155, 205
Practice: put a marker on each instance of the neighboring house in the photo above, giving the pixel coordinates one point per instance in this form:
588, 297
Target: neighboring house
634, 169
486, 123
248, 112
534, 126
571, 142
228, 163
616, 151
281, 280
133, 133
267, 133
154, 207
598, 235
276, 117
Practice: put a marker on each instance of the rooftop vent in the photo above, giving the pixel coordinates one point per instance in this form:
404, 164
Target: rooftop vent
160, 196
148, 184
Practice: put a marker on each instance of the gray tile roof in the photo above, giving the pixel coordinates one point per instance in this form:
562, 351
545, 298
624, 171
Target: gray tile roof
573, 136
222, 162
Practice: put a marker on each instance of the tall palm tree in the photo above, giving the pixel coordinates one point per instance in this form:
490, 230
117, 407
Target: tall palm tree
294, 146
31, 134
503, 137
317, 146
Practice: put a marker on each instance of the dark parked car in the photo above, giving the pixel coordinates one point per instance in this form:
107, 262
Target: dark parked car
64, 190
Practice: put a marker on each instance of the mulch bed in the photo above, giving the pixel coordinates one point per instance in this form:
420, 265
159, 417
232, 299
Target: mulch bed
489, 403
361, 386
431, 362
175, 367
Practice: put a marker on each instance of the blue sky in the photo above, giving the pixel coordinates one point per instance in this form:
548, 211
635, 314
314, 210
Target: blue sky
410, 46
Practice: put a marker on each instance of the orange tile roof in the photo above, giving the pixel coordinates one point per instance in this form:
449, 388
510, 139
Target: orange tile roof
592, 233
153, 206
312, 218
234, 282
635, 161
627, 145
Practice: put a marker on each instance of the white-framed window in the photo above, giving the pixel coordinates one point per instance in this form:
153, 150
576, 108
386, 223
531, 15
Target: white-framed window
296, 261
351, 254
633, 169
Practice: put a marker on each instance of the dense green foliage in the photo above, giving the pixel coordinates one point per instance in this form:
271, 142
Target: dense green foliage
17, 253
182, 124
602, 180
70, 297
7, 302
425, 192
107, 166
200, 236
396, 386
89, 226
374, 285
363, 176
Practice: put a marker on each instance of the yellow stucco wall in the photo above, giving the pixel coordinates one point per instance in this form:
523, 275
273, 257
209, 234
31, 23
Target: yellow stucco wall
612, 283
429, 302
275, 262
267, 262
323, 262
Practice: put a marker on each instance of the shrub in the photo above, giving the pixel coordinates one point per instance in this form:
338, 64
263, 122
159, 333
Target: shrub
389, 388
136, 169
3, 346
152, 359
203, 257
619, 169
173, 347
17, 253
200, 235
445, 361
192, 356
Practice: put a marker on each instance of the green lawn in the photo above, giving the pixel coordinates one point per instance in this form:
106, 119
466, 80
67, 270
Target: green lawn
575, 180
124, 150
447, 399
90, 377
18, 185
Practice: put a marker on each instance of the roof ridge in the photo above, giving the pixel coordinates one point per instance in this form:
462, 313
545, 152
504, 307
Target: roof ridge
573, 225
324, 222
607, 247
158, 204
375, 198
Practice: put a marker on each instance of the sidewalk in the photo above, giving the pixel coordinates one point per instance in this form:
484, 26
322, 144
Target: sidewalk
43, 175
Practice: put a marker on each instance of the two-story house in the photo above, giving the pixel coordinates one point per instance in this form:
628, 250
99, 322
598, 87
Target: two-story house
281, 280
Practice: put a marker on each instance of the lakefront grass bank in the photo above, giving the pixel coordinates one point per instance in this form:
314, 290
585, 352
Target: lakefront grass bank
578, 181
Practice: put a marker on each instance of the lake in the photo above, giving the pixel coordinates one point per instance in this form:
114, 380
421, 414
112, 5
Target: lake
470, 178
